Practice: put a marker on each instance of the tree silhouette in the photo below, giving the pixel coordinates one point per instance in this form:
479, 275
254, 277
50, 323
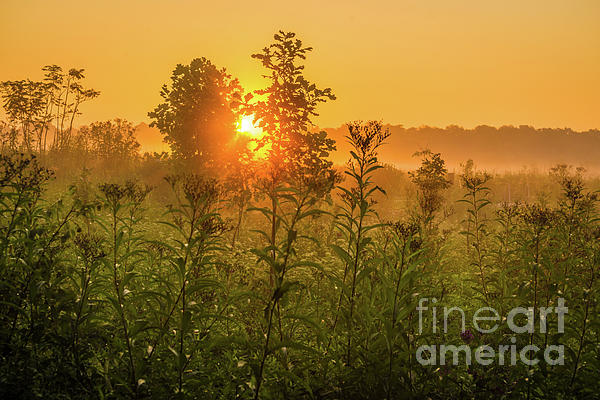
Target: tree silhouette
297, 174
65, 95
24, 103
109, 140
430, 179
289, 106
296, 155
196, 115
34, 105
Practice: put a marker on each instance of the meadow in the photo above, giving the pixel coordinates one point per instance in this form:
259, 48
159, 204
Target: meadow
261, 270
120, 291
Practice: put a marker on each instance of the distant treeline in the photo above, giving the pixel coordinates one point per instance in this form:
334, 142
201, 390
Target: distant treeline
501, 149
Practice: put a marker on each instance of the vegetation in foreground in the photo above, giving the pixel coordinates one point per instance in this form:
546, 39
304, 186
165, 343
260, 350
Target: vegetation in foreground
286, 277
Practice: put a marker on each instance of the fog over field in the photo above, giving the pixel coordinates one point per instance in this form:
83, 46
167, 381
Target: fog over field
499, 149
506, 148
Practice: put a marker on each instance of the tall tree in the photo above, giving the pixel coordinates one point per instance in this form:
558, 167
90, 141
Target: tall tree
34, 105
196, 117
74, 95
297, 155
63, 97
24, 103
297, 174
289, 105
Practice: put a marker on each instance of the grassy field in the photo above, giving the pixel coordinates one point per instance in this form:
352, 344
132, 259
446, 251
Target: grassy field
123, 290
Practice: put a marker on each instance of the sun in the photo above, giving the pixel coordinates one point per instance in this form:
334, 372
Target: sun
246, 126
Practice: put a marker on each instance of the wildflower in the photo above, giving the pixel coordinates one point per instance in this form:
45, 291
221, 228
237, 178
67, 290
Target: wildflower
467, 336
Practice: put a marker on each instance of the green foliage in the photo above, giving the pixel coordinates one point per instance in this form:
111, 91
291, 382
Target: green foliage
101, 297
122, 291
476, 198
353, 221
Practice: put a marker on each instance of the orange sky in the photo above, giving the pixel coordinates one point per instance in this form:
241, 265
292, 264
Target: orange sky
416, 62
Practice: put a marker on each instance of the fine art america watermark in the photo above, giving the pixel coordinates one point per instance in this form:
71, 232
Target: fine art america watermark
519, 320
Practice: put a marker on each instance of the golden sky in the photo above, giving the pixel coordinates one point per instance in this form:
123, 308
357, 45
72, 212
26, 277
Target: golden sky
411, 62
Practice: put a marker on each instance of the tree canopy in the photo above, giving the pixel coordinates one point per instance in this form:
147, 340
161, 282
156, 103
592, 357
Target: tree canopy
195, 116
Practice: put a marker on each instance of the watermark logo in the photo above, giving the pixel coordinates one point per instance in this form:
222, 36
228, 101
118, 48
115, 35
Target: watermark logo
487, 320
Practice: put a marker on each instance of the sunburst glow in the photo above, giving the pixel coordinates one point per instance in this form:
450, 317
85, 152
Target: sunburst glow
246, 126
